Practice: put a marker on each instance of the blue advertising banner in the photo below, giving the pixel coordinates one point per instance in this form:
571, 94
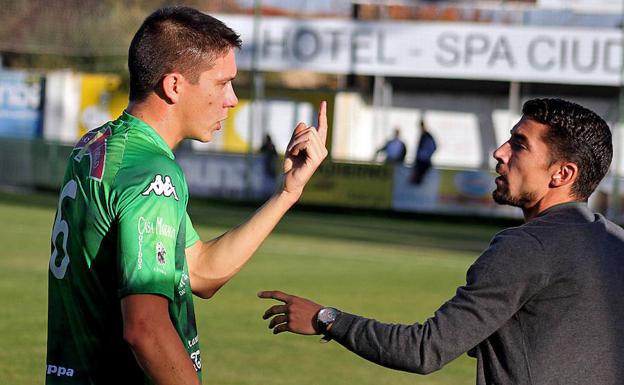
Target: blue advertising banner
20, 104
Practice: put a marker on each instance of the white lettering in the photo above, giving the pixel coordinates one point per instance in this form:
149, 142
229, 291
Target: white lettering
164, 229
182, 285
61, 227
145, 226
140, 254
193, 341
60, 371
195, 356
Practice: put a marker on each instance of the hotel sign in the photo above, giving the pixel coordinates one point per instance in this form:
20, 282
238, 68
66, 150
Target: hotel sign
433, 50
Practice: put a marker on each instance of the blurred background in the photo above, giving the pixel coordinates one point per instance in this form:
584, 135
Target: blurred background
463, 68
392, 71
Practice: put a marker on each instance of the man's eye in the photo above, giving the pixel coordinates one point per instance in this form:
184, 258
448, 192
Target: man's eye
517, 145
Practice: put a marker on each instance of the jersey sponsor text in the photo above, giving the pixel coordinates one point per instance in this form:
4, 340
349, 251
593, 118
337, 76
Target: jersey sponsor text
146, 226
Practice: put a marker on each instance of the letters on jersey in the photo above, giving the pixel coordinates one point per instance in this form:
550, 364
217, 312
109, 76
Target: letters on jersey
160, 187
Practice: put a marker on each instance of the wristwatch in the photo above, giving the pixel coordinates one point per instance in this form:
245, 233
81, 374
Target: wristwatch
325, 317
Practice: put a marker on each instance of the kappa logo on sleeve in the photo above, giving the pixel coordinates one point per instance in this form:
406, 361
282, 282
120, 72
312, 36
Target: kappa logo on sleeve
160, 187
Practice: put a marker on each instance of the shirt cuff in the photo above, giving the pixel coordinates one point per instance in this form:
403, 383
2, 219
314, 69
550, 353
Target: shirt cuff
340, 327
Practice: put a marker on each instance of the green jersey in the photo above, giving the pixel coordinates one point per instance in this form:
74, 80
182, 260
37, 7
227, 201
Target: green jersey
121, 228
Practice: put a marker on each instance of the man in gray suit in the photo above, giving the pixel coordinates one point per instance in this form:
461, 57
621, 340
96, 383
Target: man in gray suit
543, 303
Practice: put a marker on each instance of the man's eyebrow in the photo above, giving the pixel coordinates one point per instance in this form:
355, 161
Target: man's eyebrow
519, 137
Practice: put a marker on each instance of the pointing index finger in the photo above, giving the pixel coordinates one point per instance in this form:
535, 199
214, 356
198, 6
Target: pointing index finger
274, 294
322, 122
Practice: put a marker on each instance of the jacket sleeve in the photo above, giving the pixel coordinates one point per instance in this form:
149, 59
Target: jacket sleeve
502, 279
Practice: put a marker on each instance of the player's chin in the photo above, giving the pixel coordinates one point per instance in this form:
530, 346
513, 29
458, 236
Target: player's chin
203, 140
205, 136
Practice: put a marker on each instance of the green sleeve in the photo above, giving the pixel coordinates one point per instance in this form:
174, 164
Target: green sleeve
191, 234
148, 228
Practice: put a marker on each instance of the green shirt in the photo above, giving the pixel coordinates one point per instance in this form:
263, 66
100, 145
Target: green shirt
121, 228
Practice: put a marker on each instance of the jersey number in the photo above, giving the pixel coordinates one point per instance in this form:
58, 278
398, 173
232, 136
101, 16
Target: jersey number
61, 227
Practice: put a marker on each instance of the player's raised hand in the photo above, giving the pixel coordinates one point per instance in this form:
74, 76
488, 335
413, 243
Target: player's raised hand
305, 152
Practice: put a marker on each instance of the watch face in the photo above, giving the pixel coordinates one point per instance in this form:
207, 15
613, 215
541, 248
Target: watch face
327, 315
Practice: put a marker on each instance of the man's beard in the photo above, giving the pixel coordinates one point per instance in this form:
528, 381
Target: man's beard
502, 196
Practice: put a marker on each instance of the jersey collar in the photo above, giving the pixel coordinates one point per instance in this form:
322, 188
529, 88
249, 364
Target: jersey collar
137, 123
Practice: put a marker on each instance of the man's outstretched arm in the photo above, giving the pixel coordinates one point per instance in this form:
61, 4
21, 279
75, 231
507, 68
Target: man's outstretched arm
498, 284
213, 263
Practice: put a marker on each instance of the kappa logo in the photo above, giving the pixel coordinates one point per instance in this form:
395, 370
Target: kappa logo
160, 187
60, 371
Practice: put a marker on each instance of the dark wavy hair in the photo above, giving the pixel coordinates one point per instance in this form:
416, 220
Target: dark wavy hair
578, 135
178, 39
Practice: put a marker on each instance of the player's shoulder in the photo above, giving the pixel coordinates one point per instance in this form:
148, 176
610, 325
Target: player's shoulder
158, 180
138, 169
97, 154
144, 149
147, 169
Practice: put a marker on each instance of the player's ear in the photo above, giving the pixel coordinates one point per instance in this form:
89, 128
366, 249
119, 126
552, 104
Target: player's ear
171, 86
565, 173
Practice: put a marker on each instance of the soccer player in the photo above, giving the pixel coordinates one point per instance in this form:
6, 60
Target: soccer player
543, 304
125, 257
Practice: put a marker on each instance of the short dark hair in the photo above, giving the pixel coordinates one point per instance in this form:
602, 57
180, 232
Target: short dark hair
179, 39
578, 135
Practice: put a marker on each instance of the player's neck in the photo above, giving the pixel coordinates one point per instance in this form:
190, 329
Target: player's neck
158, 117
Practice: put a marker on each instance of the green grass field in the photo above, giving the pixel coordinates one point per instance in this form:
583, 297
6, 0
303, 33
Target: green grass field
391, 269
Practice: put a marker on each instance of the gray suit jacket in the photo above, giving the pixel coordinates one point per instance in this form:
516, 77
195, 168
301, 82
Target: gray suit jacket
544, 304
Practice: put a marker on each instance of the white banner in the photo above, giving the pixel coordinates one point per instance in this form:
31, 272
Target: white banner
436, 50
